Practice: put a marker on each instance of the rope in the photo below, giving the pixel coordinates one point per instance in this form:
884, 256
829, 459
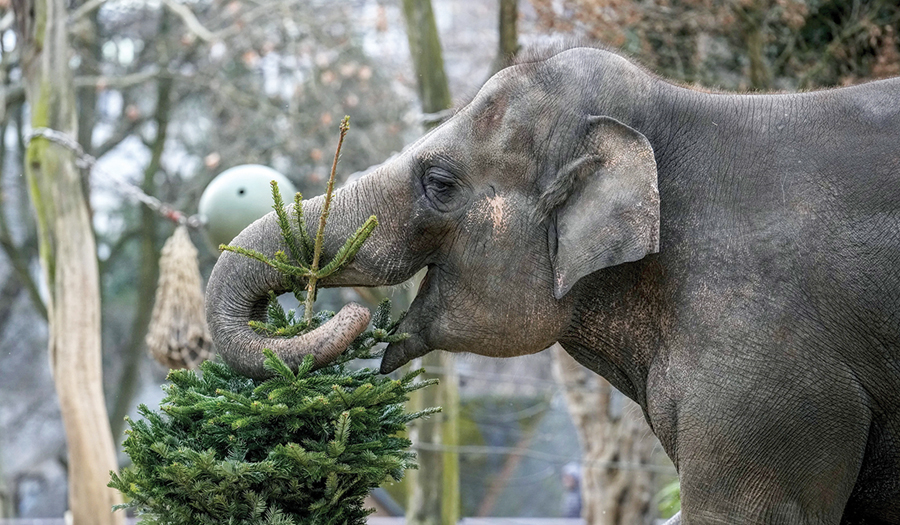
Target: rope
88, 162
178, 336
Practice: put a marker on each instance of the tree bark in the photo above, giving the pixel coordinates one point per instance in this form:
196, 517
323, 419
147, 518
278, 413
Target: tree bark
509, 38
424, 502
434, 495
428, 60
751, 18
612, 431
68, 262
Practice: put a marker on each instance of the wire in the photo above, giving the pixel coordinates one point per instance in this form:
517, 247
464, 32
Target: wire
507, 378
546, 456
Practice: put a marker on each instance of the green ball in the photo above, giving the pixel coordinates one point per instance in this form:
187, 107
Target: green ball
237, 197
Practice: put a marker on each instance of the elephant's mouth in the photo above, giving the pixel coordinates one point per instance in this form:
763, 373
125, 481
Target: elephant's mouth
416, 322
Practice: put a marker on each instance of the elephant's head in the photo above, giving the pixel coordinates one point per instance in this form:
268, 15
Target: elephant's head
509, 204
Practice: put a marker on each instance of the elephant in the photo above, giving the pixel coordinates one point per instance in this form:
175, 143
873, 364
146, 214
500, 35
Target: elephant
731, 262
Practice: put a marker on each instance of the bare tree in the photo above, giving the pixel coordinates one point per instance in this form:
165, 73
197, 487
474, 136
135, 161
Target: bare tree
433, 496
617, 443
68, 260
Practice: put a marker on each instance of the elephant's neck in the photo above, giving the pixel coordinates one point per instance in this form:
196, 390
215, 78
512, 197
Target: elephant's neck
619, 322
627, 379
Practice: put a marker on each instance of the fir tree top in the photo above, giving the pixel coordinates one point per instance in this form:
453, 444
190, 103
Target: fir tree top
301, 447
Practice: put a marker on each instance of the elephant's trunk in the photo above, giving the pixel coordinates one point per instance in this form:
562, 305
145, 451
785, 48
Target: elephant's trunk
238, 288
238, 292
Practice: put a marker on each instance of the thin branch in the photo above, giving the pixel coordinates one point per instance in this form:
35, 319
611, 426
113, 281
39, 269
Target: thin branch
320, 233
118, 82
13, 95
117, 249
19, 255
190, 20
20, 266
85, 9
248, 18
119, 135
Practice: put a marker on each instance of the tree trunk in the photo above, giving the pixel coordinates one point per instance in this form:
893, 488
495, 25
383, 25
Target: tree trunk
428, 60
424, 502
148, 273
68, 261
434, 495
612, 432
509, 38
6, 507
751, 21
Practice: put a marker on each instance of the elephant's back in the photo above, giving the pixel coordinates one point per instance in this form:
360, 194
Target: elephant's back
786, 208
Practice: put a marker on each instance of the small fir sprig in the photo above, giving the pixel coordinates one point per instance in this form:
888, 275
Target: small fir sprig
306, 252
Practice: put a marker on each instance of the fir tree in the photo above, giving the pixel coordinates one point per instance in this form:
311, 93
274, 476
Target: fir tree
302, 447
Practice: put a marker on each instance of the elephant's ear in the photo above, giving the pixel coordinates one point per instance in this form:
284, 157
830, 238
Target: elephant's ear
603, 206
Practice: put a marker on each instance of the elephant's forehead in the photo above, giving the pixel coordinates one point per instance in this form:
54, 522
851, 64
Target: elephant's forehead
506, 99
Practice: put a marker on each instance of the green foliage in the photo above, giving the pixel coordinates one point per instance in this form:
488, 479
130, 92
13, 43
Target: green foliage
301, 447
298, 448
669, 499
300, 264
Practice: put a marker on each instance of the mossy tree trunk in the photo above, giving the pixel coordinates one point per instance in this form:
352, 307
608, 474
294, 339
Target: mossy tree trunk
68, 261
434, 488
428, 60
508, 45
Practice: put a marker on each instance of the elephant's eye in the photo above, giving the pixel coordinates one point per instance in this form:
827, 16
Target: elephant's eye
440, 188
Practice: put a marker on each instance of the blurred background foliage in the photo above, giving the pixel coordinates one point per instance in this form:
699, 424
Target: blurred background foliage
742, 44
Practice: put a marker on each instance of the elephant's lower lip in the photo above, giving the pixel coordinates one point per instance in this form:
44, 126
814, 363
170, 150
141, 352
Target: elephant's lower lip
399, 353
426, 280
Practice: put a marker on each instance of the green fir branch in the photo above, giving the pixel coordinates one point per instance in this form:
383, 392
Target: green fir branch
302, 447
291, 270
382, 316
277, 366
285, 224
306, 243
277, 315
350, 248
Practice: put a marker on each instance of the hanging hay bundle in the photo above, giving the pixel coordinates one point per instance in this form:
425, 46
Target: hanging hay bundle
178, 336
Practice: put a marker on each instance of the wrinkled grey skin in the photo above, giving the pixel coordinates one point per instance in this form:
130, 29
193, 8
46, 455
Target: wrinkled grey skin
762, 340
